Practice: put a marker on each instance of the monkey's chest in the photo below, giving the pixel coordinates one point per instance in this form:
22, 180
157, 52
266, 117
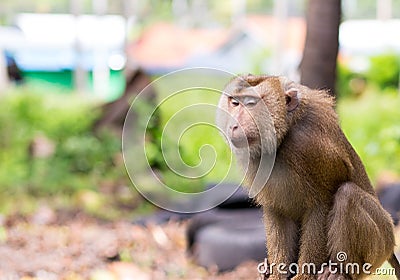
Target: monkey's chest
285, 194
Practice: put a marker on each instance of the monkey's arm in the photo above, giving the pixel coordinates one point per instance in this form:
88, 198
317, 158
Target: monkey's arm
313, 242
282, 239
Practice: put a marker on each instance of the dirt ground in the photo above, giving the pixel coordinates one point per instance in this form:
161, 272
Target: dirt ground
58, 245
71, 245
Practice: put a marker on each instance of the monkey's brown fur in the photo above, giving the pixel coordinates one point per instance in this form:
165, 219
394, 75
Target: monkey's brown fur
318, 200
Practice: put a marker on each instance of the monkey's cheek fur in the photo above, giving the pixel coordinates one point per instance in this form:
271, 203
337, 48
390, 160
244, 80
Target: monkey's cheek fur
239, 142
242, 141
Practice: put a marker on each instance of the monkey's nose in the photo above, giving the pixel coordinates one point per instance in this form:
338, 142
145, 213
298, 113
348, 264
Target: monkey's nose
235, 131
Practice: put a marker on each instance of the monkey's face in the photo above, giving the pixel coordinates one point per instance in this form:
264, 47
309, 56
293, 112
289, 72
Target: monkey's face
252, 113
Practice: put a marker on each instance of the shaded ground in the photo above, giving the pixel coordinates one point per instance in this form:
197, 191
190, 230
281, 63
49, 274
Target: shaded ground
60, 245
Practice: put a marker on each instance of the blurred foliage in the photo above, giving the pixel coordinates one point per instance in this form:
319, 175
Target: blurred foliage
82, 162
382, 73
259, 59
193, 152
87, 167
344, 77
366, 9
371, 122
368, 107
80, 158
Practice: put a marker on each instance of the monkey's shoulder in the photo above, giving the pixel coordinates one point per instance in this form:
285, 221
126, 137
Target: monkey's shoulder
319, 157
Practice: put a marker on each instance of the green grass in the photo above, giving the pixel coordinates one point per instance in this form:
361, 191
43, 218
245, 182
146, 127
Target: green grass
372, 124
80, 160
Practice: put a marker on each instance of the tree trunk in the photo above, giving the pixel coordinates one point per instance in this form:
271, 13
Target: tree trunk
114, 113
318, 66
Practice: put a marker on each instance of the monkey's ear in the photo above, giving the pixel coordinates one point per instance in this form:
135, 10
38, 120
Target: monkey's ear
292, 99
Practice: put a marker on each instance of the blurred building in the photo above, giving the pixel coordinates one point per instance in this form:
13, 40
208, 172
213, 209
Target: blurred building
360, 39
49, 47
245, 47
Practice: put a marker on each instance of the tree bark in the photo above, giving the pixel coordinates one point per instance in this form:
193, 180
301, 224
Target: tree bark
113, 114
318, 66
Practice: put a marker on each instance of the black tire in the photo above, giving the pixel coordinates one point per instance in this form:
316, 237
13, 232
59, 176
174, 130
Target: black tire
226, 238
390, 200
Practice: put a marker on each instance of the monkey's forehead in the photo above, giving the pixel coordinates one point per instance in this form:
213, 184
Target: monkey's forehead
246, 84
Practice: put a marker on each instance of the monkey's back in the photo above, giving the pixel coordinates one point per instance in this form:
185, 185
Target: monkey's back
313, 160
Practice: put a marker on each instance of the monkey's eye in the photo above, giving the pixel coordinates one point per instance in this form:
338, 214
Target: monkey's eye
234, 102
250, 101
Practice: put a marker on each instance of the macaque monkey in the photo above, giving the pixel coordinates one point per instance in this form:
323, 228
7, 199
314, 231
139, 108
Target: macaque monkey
319, 205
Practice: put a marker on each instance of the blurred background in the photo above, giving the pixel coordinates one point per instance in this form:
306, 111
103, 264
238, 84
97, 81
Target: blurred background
69, 69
